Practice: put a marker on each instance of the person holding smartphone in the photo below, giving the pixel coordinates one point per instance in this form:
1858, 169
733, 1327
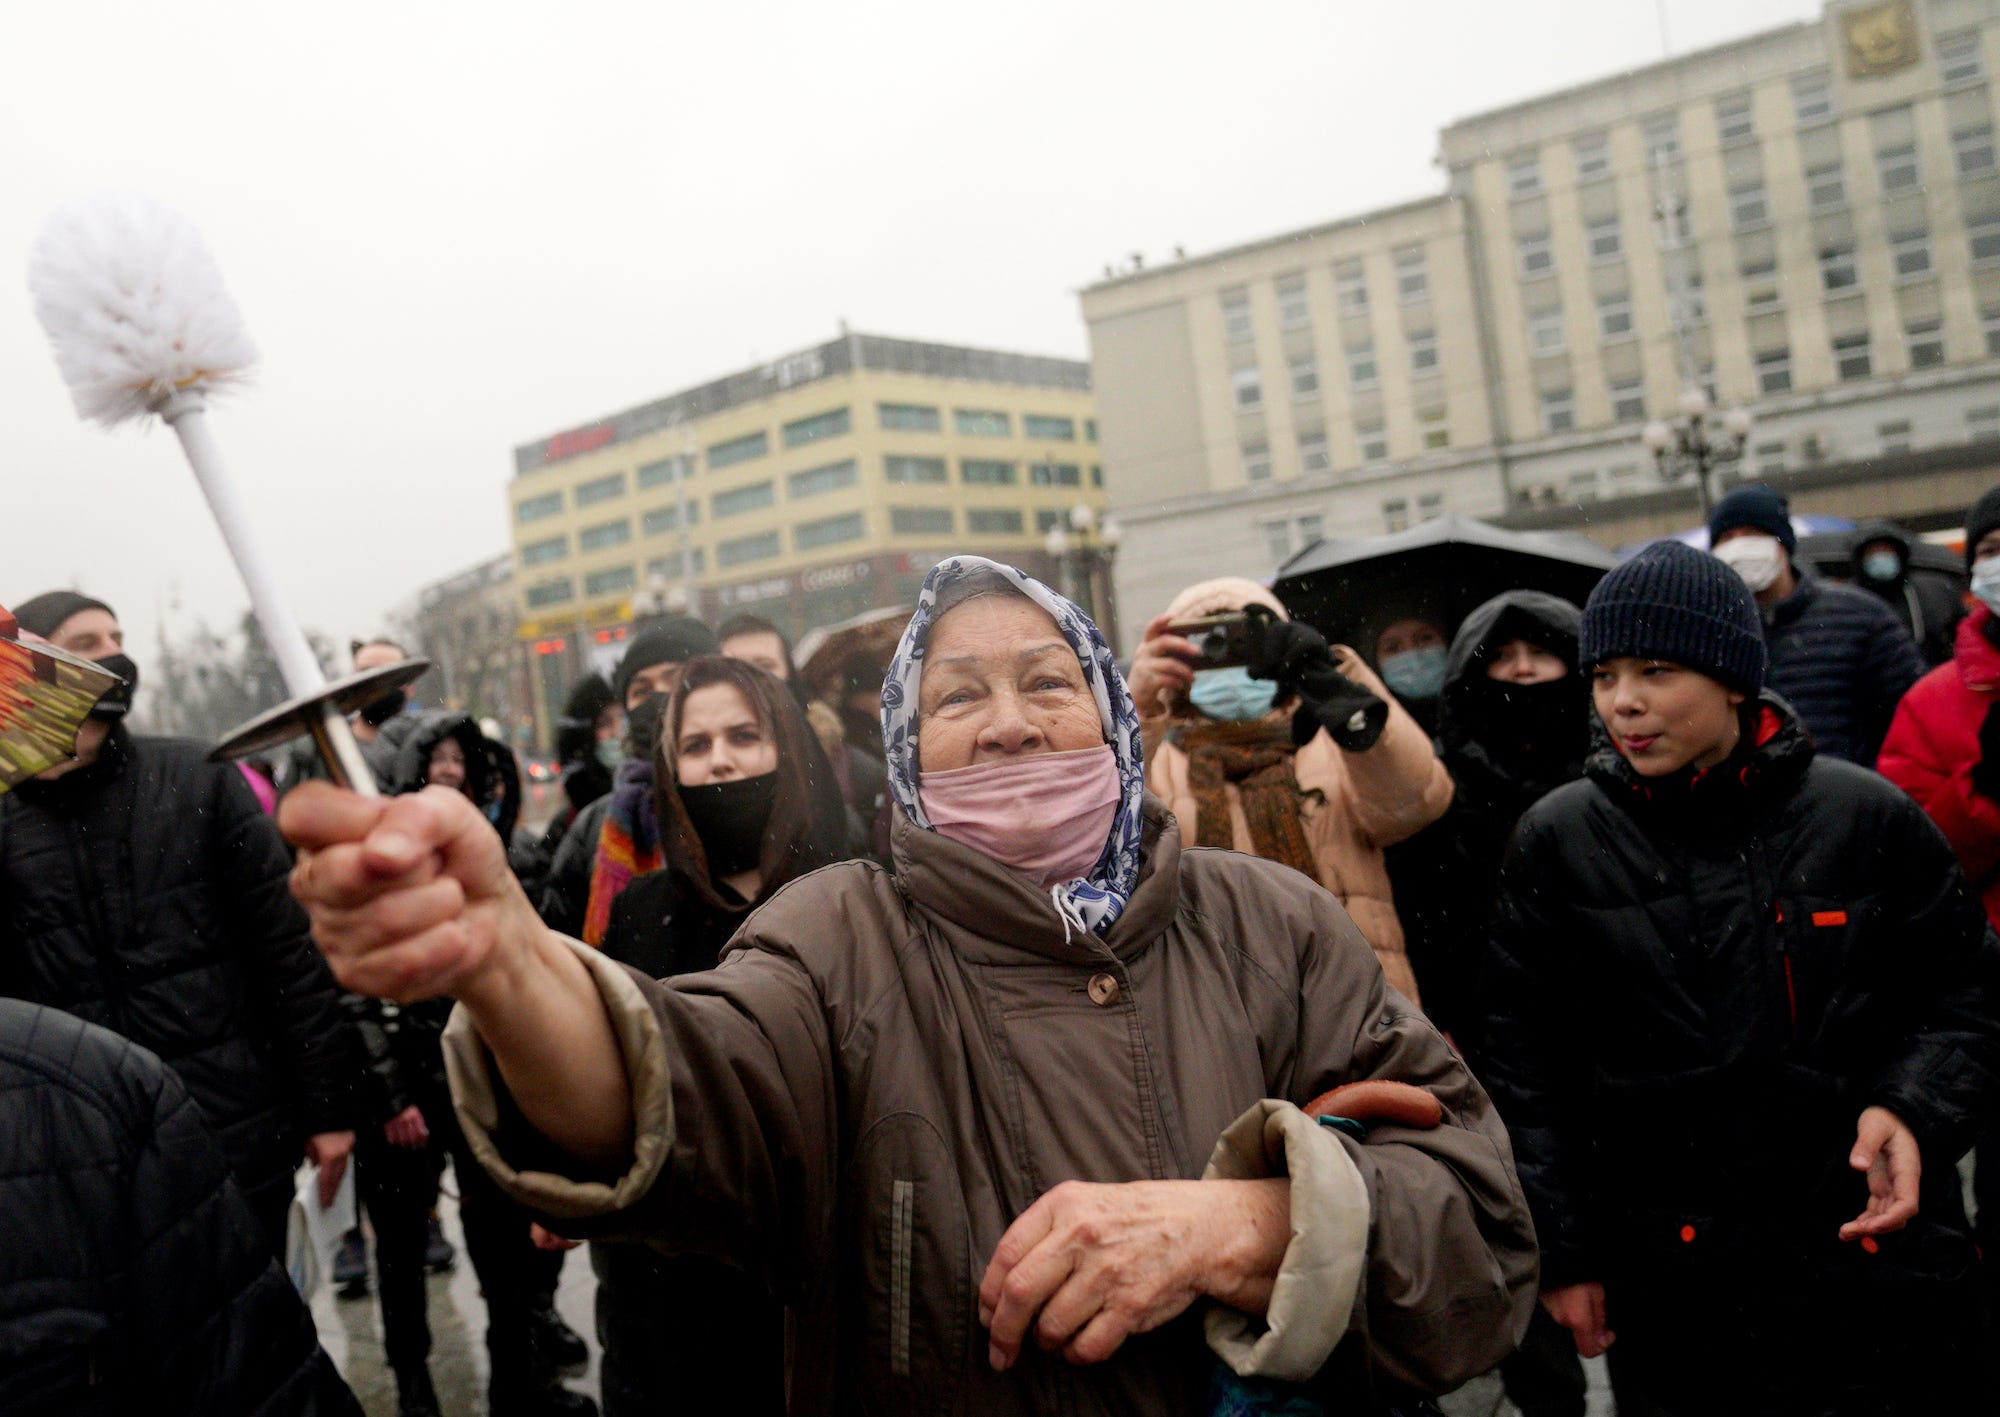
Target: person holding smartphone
1264, 739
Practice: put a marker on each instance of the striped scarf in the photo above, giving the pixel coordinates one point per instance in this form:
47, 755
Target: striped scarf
628, 846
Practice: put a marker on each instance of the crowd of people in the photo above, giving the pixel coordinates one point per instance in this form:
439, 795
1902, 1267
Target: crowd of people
1296, 1028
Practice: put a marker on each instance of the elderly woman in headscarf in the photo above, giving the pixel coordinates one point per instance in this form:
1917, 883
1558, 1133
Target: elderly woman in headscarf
1015, 1127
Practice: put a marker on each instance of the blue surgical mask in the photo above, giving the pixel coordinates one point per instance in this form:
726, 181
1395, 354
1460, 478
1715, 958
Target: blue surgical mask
610, 753
1231, 695
1415, 673
1883, 565
1986, 583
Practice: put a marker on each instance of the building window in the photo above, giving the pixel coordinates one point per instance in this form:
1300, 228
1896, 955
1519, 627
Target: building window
1733, 123
1837, 270
909, 417
1912, 253
1256, 462
817, 481
829, 531
1294, 309
1396, 514
1614, 316
830, 424
1278, 541
1545, 331
1826, 187
1350, 288
668, 567
1413, 276
1770, 458
739, 500
1045, 427
1582, 486
1958, 57
1558, 411
1524, 174
1628, 401
986, 472
554, 592
1361, 372
1662, 138
1423, 351
1746, 204
1592, 155
1760, 281
1055, 474
1989, 321
994, 521
600, 489
1972, 148
1372, 441
658, 474
533, 509
1895, 436
1249, 387
609, 582
1896, 167
907, 469
982, 423
1537, 255
1694, 295
596, 538
1313, 455
745, 549
662, 520
1305, 376
1984, 236
1982, 424
1812, 97
736, 450
1047, 517
1433, 431
1607, 242
1097, 475
1312, 529
1850, 357
553, 548
1090, 430
1236, 314
1774, 371
1926, 343
920, 521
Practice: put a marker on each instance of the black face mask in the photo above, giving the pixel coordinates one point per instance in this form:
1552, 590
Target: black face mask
118, 702
1546, 724
377, 712
730, 817
642, 727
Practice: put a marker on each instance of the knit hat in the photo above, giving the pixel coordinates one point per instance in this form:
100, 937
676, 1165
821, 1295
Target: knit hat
1675, 603
45, 614
1761, 507
1983, 518
671, 641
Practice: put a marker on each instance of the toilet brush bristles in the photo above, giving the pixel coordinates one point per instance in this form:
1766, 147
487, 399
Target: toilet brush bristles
135, 307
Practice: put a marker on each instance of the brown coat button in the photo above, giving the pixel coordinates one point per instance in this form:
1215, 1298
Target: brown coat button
1103, 990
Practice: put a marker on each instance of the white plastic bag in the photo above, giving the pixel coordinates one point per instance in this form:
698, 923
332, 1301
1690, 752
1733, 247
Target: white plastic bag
313, 1234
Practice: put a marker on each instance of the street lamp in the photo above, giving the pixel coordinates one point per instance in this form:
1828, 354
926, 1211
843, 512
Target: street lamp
1083, 552
1697, 442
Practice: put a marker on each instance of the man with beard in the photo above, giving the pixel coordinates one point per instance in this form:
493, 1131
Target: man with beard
143, 889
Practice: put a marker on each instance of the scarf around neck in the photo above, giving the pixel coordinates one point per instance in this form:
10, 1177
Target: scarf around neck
628, 845
1260, 762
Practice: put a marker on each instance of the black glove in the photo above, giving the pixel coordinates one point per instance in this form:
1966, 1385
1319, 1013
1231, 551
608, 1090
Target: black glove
1986, 772
1299, 659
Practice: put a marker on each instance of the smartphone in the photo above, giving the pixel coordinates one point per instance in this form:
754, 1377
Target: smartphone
1220, 641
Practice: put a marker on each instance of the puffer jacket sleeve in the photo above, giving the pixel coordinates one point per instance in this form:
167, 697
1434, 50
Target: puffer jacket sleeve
1398, 787
1919, 758
566, 889
295, 993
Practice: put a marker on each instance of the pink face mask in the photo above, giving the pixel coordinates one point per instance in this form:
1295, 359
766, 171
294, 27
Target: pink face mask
1046, 815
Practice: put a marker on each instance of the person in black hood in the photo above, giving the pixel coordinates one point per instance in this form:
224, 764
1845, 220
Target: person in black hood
1929, 605
747, 803
587, 747
1742, 1022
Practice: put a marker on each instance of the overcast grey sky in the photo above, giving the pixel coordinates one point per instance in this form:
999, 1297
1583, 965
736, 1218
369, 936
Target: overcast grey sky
457, 227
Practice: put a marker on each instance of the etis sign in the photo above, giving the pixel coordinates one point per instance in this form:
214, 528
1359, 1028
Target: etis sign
577, 441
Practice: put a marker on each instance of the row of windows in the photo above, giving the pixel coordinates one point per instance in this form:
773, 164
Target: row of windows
1371, 441
1350, 287
1363, 371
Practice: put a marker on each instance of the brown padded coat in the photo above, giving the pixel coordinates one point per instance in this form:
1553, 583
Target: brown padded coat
885, 1070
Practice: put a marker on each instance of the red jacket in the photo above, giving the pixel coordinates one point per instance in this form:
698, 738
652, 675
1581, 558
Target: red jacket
1933, 745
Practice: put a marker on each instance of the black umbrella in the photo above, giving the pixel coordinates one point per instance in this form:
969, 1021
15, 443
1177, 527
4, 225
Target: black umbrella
1352, 588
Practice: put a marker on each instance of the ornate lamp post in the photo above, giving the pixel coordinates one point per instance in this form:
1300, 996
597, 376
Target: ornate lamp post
1084, 551
1697, 442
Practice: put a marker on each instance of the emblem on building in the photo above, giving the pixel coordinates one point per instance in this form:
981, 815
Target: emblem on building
1879, 39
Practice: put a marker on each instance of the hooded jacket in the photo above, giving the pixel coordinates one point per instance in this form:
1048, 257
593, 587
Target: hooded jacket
1933, 747
1696, 987
1447, 876
887, 1069
1843, 661
1928, 605
148, 893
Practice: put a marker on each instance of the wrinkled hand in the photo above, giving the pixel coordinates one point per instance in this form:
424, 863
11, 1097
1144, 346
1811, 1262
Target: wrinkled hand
1580, 1309
329, 1152
407, 1129
1887, 1150
410, 897
1162, 669
545, 1239
1087, 1266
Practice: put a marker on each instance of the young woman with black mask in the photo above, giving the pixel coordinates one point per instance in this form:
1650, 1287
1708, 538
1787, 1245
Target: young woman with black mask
746, 803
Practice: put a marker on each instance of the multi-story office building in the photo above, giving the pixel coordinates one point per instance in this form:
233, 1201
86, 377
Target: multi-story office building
806, 490
1805, 222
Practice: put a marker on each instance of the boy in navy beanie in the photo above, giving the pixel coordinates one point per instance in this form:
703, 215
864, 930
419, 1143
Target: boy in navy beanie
1741, 1026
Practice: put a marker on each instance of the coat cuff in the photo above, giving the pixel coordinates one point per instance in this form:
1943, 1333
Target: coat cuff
1319, 1279
529, 1172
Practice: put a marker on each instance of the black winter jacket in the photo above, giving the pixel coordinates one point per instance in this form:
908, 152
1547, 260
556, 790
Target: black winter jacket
148, 893
1927, 602
132, 1277
1696, 989
566, 888
1842, 659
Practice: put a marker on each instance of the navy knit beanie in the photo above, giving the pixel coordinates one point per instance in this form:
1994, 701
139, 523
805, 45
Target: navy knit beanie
1675, 603
44, 614
1760, 507
674, 640
1984, 517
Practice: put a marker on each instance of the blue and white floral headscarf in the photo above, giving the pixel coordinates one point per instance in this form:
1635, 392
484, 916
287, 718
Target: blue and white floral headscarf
1091, 902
